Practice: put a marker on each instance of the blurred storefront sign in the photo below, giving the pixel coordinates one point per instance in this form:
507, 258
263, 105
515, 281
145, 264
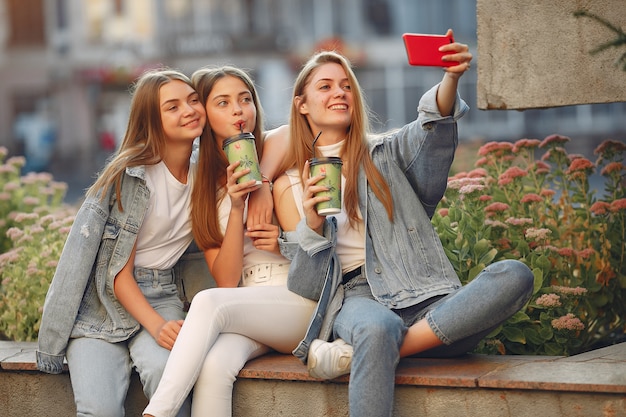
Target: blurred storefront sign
115, 75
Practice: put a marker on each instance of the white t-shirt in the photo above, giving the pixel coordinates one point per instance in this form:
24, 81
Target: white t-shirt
166, 229
350, 241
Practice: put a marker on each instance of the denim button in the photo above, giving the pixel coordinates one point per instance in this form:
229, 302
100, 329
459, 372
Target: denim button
377, 270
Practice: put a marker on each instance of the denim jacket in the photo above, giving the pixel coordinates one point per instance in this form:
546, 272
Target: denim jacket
405, 263
80, 301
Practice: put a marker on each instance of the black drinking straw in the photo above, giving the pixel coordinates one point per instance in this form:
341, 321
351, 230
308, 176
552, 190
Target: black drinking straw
315, 140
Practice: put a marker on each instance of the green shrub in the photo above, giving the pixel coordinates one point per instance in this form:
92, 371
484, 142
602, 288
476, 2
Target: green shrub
35, 224
542, 212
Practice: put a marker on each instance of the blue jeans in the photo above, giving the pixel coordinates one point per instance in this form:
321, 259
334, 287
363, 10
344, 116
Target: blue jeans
100, 371
460, 319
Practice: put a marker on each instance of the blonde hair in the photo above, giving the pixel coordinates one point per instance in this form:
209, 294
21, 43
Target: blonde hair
209, 185
354, 150
144, 140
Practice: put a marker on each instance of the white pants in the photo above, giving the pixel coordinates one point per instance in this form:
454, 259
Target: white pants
239, 323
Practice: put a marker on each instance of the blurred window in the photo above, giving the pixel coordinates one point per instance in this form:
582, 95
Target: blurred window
27, 23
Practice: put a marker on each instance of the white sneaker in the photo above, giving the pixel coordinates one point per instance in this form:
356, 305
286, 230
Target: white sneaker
328, 360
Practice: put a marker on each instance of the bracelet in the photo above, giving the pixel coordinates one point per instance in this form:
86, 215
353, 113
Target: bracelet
266, 180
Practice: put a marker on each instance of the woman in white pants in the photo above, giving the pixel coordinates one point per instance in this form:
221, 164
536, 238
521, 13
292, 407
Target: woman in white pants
227, 326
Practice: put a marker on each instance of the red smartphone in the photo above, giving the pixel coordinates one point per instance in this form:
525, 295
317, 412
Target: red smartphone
423, 50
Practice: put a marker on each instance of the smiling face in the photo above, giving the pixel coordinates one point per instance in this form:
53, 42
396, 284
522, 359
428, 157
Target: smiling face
182, 115
327, 102
230, 108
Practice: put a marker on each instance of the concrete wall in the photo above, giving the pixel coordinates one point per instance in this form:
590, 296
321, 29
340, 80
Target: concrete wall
536, 53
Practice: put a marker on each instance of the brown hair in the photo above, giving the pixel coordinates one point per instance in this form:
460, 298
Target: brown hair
355, 149
209, 184
144, 140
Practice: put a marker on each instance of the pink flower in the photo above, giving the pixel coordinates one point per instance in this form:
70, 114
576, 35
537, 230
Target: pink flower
567, 252
612, 167
495, 223
600, 207
547, 192
568, 322
15, 233
16, 161
443, 212
553, 139
580, 165
554, 153
481, 162
610, 145
31, 201
551, 248
11, 186
458, 176
458, 183
570, 290
8, 169
549, 300
497, 207
525, 143
485, 198
537, 233
21, 217
519, 221
477, 173
495, 148
541, 168
470, 188
531, 198
504, 181
619, 204
515, 172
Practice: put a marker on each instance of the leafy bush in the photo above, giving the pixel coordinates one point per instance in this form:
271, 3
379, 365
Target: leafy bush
34, 224
542, 212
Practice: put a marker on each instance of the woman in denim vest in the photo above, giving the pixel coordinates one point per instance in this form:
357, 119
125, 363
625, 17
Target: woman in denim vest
385, 287
113, 304
226, 327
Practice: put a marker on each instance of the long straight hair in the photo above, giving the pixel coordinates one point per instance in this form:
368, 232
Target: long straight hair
145, 139
355, 150
210, 183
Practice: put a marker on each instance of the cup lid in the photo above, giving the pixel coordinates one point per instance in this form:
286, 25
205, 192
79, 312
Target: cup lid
325, 160
235, 138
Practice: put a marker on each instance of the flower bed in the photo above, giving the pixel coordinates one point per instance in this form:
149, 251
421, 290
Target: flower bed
34, 224
541, 211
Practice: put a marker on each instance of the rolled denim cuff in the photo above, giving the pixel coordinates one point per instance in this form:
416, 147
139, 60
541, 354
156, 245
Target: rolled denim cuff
428, 111
311, 242
51, 364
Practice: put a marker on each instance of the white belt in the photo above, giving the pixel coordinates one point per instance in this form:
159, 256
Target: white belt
265, 274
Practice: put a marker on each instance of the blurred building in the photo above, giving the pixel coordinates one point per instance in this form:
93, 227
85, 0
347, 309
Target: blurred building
78, 57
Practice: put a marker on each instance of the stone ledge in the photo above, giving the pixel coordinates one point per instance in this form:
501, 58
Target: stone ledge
586, 385
602, 371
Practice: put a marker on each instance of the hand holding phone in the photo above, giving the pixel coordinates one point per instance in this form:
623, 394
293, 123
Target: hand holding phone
423, 50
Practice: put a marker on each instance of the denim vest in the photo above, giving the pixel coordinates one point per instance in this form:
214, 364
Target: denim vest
80, 301
405, 263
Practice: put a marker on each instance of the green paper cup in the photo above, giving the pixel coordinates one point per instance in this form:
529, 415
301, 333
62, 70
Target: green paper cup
331, 167
242, 148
